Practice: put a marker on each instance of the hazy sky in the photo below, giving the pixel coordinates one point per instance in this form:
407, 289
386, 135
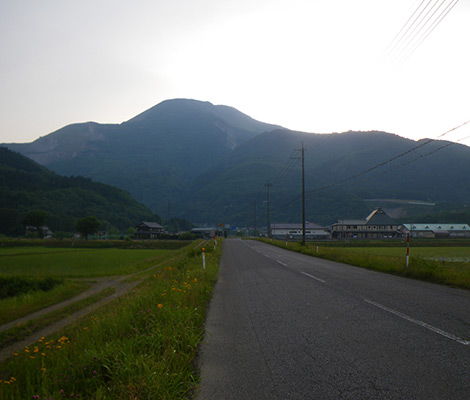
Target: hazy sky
313, 65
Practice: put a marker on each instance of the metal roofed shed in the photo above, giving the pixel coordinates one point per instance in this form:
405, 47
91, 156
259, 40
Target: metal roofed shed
437, 230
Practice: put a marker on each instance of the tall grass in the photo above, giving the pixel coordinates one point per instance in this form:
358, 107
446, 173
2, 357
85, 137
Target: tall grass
389, 261
23, 330
16, 307
142, 346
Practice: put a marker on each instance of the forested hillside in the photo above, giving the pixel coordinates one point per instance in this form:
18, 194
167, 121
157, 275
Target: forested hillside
26, 186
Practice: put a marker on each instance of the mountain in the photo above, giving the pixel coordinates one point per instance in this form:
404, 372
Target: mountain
434, 172
154, 155
26, 186
209, 163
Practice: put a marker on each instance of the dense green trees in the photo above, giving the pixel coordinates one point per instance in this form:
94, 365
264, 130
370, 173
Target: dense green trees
87, 226
25, 186
36, 219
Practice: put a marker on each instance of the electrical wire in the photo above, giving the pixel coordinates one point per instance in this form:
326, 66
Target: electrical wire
401, 30
419, 28
439, 19
377, 166
398, 44
416, 29
423, 156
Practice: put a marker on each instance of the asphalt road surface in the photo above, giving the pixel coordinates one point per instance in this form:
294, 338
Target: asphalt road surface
282, 325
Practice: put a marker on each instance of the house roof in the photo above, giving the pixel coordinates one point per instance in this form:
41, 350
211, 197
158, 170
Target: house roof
437, 227
154, 225
376, 217
308, 225
202, 229
379, 217
351, 222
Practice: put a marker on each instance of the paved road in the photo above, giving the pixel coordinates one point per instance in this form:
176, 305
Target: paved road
282, 325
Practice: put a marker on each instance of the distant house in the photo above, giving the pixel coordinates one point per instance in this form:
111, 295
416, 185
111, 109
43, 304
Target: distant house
46, 232
294, 231
377, 225
149, 230
204, 232
436, 230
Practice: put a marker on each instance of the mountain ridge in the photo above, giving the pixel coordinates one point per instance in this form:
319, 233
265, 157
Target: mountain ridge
209, 163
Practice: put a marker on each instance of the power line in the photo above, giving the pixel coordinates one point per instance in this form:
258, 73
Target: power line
388, 161
419, 27
416, 29
439, 19
422, 156
411, 28
288, 167
377, 166
401, 30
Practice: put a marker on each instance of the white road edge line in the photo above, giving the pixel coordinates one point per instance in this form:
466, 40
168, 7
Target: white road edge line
280, 262
313, 277
421, 323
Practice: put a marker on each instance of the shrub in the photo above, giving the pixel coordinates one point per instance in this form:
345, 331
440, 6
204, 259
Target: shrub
14, 286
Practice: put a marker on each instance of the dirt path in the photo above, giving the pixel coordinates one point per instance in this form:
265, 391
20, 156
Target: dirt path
119, 283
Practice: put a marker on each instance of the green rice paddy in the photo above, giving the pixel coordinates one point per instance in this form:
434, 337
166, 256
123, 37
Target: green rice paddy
53, 262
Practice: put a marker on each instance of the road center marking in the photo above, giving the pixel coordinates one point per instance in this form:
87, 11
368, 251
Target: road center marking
313, 277
280, 262
421, 323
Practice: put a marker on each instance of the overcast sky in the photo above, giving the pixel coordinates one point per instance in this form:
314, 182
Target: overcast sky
318, 66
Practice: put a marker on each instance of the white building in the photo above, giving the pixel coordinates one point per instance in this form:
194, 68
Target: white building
294, 231
437, 230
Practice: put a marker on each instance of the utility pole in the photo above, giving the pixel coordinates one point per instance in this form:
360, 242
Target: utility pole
303, 192
269, 227
254, 218
303, 197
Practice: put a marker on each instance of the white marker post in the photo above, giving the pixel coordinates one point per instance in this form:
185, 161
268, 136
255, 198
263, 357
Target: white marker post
203, 259
407, 249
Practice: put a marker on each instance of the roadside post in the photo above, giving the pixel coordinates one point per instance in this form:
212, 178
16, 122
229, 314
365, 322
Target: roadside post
203, 258
407, 249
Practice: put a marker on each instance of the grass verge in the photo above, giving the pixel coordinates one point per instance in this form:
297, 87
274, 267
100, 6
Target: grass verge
22, 331
141, 346
452, 274
16, 307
